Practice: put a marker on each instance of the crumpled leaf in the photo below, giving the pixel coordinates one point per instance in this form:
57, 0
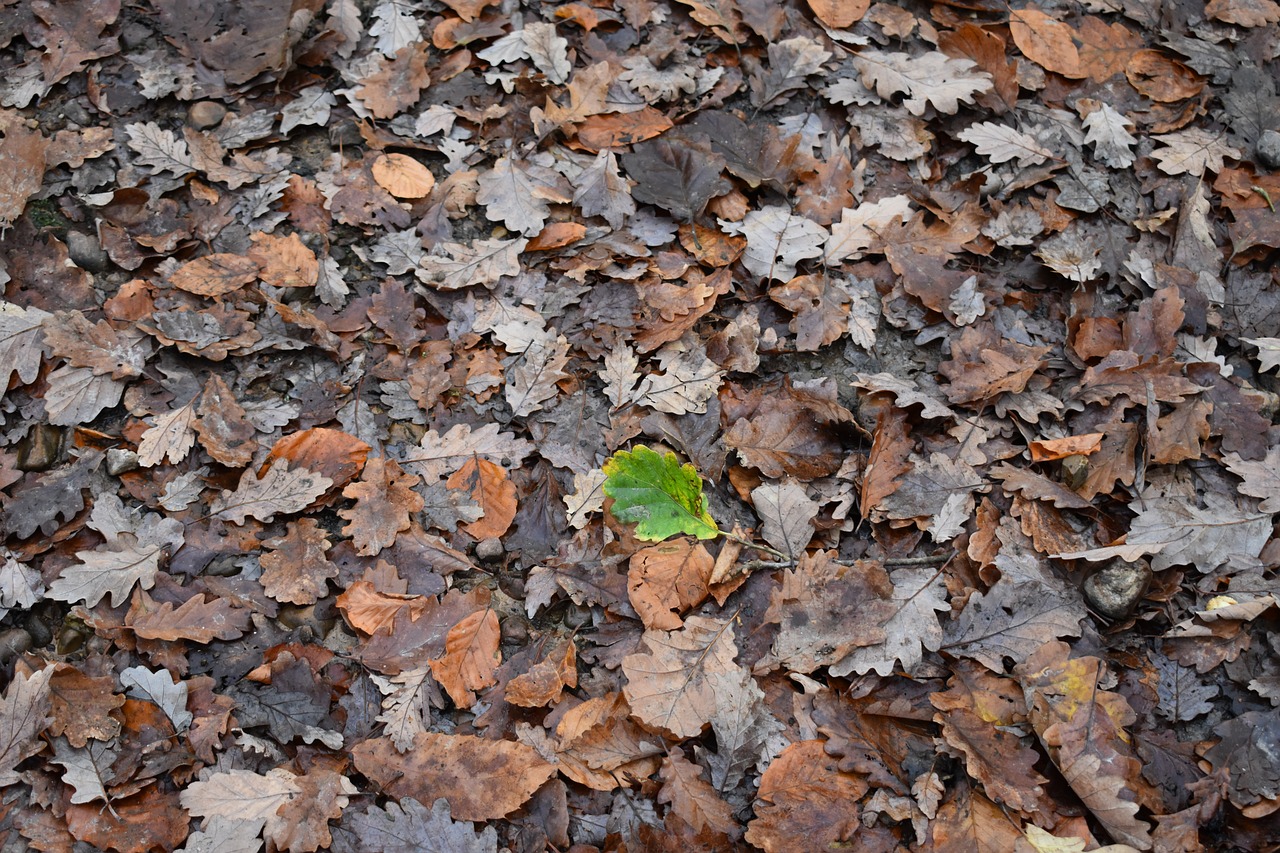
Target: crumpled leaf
657, 493
389, 828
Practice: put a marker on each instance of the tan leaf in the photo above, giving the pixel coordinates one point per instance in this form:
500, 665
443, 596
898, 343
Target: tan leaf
385, 503
215, 275
671, 685
787, 513
839, 14
295, 567
668, 579
1045, 41
471, 657
482, 779
284, 261
1244, 13
403, 176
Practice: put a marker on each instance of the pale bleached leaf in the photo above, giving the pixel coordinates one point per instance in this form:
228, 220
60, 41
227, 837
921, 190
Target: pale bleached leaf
159, 687
404, 704
394, 26
1192, 151
688, 380
620, 375
1268, 351
160, 150
787, 513
777, 240
1000, 144
437, 455
126, 559
1112, 142
533, 374
859, 227
586, 498
24, 714
21, 342
516, 193
600, 190
929, 79
278, 491
548, 51
312, 106
451, 266
172, 437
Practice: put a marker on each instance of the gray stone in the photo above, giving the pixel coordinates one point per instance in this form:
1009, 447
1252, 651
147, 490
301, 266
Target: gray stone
86, 252
490, 549
120, 461
1115, 589
1268, 149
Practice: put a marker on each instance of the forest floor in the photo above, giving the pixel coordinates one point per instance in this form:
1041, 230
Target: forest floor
340, 336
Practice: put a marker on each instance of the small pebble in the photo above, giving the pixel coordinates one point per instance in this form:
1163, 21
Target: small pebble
514, 630
206, 114
1268, 149
121, 461
86, 252
75, 112
1116, 589
13, 642
490, 549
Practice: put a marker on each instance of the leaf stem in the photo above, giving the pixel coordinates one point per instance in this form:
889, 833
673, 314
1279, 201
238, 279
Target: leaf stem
749, 544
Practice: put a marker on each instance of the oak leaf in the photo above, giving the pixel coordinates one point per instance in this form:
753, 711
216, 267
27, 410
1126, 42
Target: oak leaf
1012, 619
385, 503
195, 619
295, 567
667, 580
929, 79
777, 240
215, 275
278, 491
693, 799
804, 794
24, 713
385, 829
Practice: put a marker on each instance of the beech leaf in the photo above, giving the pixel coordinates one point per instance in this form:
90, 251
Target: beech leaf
657, 493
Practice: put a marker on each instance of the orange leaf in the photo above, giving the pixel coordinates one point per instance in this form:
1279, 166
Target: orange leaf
490, 488
403, 176
839, 14
668, 579
620, 129
471, 657
482, 779
1045, 42
557, 235
1059, 448
545, 680
285, 261
370, 611
330, 452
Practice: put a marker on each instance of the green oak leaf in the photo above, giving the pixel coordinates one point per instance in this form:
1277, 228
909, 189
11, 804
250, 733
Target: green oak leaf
659, 494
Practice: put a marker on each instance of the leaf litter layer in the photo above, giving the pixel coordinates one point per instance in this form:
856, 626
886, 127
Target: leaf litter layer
449, 425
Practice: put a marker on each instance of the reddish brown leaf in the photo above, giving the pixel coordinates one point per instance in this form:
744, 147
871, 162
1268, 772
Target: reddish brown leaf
490, 488
471, 657
482, 779
693, 798
83, 707
295, 567
385, 503
803, 794
667, 580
